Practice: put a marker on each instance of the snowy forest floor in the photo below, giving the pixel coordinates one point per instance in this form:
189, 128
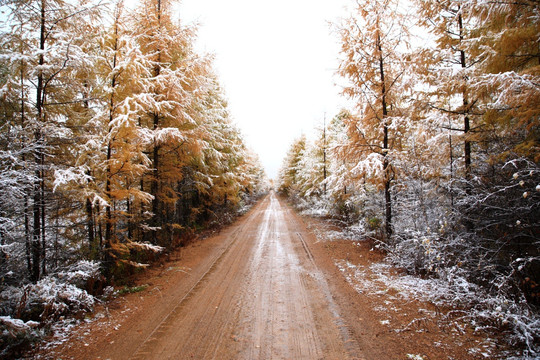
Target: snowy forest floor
381, 308
388, 310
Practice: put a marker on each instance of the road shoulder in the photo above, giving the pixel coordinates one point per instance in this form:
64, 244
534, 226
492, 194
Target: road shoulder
384, 324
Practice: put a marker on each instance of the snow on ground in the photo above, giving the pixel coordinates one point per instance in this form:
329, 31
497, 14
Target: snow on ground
466, 304
394, 289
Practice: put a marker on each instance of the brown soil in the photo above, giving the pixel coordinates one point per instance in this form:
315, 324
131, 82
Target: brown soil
264, 288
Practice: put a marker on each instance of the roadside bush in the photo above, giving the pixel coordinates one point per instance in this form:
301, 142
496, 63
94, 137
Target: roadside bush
27, 312
344, 209
84, 275
50, 300
16, 335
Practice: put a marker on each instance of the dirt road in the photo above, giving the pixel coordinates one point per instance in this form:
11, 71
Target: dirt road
257, 294
266, 288
263, 298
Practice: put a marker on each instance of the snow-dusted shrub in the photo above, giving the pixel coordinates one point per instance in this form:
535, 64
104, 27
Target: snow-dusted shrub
313, 206
518, 320
83, 274
470, 302
429, 252
459, 274
59, 294
16, 335
481, 234
247, 200
12, 263
345, 209
410, 254
50, 299
26, 312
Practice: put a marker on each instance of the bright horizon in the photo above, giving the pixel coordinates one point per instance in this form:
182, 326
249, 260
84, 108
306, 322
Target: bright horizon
276, 62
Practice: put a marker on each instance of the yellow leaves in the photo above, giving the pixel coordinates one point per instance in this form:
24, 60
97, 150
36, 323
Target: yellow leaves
177, 227
118, 249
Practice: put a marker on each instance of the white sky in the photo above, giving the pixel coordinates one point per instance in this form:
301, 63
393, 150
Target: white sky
276, 61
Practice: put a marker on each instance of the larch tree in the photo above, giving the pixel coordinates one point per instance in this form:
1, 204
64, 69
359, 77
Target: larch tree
17, 148
342, 185
171, 103
505, 203
16, 179
372, 45
48, 48
252, 176
288, 177
110, 160
506, 41
313, 169
224, 171
450, 69
482, 71
201, 184
125, 71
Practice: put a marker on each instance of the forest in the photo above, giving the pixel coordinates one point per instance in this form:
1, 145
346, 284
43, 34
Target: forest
438, 161
116, 146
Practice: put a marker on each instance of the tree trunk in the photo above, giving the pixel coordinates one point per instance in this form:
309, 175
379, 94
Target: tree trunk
451, 166
27, 235
36, 245
466, 120
386, 163
90, 223
38, 201
129, 219
3, 255
154, 185
99, 226
43, 243
324, 155
108, 213
466, 128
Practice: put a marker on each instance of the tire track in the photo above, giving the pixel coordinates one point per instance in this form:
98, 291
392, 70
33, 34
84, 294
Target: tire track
145, 349
260, 298
350, 344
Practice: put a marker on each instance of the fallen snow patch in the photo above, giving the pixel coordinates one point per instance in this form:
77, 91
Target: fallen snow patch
481, 311
415, 357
